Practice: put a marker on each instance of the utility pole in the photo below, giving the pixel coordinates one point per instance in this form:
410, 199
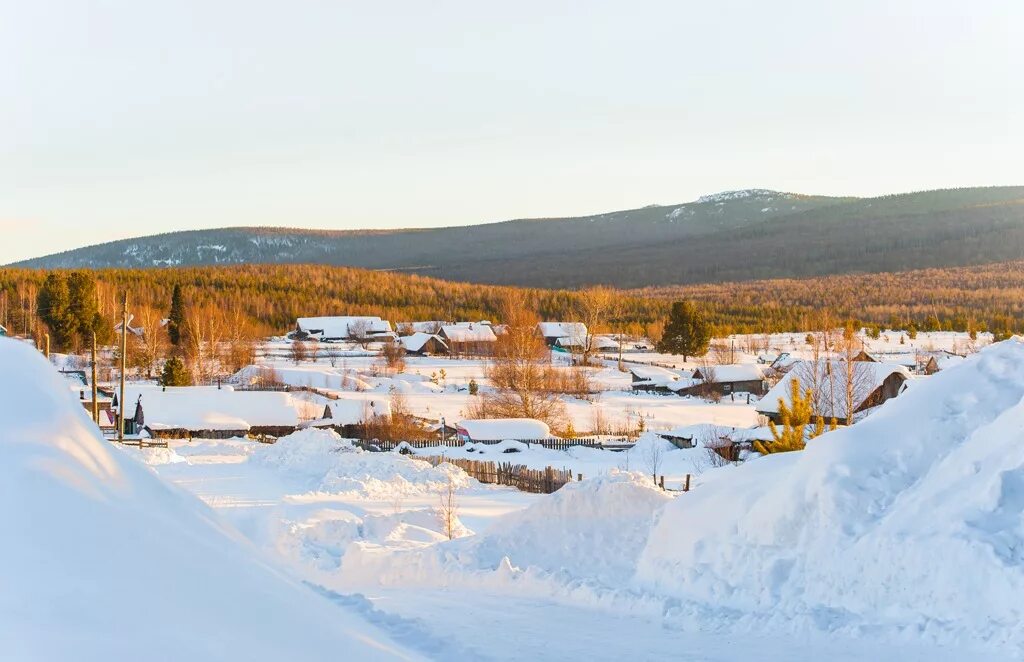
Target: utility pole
95, 405
47, 346
124, 350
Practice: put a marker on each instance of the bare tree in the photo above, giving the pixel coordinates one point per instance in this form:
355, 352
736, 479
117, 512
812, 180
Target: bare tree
299, 351
393, 357
653, 456
596, 307
449, 510
359, 331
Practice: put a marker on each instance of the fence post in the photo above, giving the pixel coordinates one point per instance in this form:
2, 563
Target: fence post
661, 482
579, 477
686, 487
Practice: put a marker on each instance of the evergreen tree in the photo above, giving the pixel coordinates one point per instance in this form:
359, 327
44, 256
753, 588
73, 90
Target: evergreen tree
175, 373
83, 308
687, 332
54, 302
176, 318
795, 418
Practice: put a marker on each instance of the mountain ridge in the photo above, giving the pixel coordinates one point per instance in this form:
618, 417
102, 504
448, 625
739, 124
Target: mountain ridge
731, 235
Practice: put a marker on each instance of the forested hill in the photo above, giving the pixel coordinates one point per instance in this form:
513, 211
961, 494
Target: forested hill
740, 235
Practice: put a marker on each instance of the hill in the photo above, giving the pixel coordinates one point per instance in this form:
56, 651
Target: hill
741, 235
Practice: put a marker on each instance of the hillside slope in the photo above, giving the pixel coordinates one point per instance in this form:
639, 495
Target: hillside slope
732, 236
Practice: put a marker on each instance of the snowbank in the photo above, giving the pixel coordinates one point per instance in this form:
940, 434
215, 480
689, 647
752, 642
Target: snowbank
103, 561
326, 463
909, 521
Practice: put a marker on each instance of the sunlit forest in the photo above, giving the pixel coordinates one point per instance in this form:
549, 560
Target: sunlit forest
268, 298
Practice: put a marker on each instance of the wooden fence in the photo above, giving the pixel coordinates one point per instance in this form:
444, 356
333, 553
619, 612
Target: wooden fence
521, 477
452, 442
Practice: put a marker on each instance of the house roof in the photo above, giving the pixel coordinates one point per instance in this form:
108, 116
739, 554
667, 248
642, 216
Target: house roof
468, 333
737, 372
340, 327
827, 378
653, 373
210, 408
492, 429
416, 341
576, 331
905, 359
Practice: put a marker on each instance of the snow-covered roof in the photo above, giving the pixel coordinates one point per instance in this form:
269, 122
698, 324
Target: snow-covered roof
905, 359
827, 380
356, 411
947, 360
468, 333
737, 372
341, 327
212, 408
416, 341
490, 429
429, 326
577, 331
653, 373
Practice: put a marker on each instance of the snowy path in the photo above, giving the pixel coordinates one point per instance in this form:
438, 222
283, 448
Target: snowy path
455, 624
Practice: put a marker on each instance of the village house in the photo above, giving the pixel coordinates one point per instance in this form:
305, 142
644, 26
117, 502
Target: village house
654, 379
468, 338
563, 334
833, 383
728, 379
493, 430
337, 329
423, 344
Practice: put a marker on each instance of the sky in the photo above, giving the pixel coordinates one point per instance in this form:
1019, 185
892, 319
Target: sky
129, 118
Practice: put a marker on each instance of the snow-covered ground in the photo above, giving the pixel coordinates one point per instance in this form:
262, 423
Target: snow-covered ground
896, 539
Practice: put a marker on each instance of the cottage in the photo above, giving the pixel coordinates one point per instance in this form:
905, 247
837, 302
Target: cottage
501, 429
654, 379
423, 344
468, 339
336, 329
838, 390
210, 412
564, 334
728, 379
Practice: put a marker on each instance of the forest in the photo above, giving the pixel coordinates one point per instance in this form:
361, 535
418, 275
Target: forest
267, 299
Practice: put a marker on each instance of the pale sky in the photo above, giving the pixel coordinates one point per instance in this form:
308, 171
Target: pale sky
127, 118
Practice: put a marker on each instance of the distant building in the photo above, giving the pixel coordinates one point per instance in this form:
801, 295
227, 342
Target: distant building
564, 334
837, 387
423, 344
501, 429
469, 338
341, 328
735, 378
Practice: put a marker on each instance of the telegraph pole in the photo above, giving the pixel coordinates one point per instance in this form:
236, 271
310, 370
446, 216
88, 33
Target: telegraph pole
95, 405
124, 350
47, 346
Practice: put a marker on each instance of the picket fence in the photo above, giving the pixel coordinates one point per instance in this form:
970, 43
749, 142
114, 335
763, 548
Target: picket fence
521, 477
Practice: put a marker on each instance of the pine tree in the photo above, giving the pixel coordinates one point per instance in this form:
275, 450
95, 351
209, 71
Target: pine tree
175, 373
54, 302
176, 318
687, 332
84, 308
795, 418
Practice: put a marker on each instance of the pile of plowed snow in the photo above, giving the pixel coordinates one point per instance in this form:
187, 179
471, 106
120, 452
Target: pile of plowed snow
326, 463
909, 521
591, 531
102, 561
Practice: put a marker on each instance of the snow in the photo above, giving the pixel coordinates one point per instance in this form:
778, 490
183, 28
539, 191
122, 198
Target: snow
503, 428
213, 408
907, 524
468, 333
103, 561
337, 327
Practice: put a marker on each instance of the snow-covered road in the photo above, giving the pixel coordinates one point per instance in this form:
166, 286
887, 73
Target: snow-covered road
305, 530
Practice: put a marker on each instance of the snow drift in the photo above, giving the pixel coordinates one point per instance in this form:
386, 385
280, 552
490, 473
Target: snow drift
103, 561
910, 521
324, 462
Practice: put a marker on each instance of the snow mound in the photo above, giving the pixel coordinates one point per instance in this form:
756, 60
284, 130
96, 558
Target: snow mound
103, 561
155, 456
326, 463
595, 528
910, 520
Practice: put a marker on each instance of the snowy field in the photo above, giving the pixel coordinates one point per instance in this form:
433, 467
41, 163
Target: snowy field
896, 539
